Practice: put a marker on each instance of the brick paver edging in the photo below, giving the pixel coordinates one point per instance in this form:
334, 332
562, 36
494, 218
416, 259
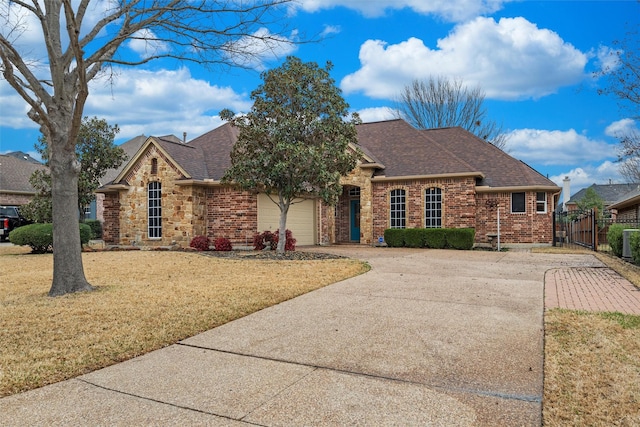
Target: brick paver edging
591, 289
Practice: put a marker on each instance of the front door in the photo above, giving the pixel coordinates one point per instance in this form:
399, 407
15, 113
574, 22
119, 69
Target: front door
355, 220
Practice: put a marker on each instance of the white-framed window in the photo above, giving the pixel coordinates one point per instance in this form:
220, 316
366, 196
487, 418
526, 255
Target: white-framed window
397, 208
518, 202
354, 192
433, 208
154, 210
541, 202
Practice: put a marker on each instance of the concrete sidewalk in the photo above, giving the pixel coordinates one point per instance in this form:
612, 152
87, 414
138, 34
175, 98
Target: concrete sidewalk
425, 338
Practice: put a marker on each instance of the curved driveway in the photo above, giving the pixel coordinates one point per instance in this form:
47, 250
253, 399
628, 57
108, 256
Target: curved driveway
427, 337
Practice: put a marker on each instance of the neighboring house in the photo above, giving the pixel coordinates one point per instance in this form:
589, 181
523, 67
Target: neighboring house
609, 193
627, 207
15, 170
170, 192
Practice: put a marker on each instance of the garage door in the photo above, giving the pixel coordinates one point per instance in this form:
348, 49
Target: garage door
301, 219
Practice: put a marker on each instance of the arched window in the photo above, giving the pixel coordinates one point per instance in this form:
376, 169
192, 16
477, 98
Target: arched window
155, 210
397, 208
433, 208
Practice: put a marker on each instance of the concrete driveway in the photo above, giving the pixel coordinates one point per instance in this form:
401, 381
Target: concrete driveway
427, 337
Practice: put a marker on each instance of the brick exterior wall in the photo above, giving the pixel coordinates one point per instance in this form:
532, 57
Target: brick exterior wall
232, 214
629, 213
458, 202
111, 218
10, 199
527, 227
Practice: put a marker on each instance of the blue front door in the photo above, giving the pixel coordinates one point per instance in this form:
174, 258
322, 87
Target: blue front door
355, 220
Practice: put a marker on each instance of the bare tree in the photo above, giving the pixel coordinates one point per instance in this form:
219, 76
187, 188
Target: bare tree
79, 48
622, 79
443, 102
629, 156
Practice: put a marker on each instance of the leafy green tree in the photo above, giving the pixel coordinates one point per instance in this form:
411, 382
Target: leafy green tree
295, 140
589, 201
96, 154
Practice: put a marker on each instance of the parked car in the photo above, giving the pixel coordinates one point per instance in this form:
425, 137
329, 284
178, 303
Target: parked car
10, 218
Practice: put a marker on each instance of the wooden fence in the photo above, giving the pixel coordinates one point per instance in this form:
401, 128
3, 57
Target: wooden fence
585, 230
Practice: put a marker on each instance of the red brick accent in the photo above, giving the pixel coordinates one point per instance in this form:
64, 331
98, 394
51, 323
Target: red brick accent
232, 214
111, 224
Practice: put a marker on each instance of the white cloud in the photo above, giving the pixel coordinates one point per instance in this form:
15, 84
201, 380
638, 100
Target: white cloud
608, 59
509, 59
144, 102
556, 147
376, 114
604, 173
252, 51
450, 10
161, 102
621, 128
330, 29
145, 44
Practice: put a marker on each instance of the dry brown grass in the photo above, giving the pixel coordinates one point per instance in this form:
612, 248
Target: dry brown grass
144, 300
592, 361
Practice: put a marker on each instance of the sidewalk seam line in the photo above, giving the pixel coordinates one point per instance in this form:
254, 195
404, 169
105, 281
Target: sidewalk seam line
525, 398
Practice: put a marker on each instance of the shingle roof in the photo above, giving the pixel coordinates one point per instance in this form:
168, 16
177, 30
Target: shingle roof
405, 151
15, 174
396, 146
609, 193
130, 148
216, 146
188, 156
498, 167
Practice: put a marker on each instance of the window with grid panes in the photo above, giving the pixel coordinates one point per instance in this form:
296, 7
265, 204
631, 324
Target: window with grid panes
154, 216
397, 208
433, 208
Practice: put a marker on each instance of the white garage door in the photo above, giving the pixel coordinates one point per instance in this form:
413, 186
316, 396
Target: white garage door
301, 219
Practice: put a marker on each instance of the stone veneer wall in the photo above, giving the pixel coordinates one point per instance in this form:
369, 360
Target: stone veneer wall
232, 214
338, 216
458, 202
526, 227
182, 205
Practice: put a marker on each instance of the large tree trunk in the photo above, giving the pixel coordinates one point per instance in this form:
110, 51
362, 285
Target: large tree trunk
282, 231
68, 271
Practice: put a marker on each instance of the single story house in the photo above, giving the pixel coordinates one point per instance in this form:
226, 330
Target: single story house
15, 170
627, 208
609, 193
171, 191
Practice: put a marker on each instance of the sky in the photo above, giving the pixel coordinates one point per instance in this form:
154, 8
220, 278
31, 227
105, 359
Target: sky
534, 60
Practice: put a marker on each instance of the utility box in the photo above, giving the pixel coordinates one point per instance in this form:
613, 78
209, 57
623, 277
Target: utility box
626, 242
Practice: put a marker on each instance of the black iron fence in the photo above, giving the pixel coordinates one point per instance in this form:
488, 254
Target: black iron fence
585, 230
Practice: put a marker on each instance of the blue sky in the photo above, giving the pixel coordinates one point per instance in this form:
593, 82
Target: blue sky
533, 59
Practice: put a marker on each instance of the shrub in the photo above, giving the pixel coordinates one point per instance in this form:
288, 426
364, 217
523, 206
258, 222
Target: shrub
435, 238
270, 239
200, 243
40, 236
414, 237
222, 244
96, 228
85, 233
634, 243
394, 237
460, 238
614, 237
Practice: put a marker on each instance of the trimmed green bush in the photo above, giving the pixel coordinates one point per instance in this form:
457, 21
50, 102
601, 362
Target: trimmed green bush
460, 238
40, 236
96, 228
394, 237
414, 237
614, 237
634, 243
435, 238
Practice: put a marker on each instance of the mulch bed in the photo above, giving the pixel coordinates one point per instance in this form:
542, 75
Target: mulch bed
272, 255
